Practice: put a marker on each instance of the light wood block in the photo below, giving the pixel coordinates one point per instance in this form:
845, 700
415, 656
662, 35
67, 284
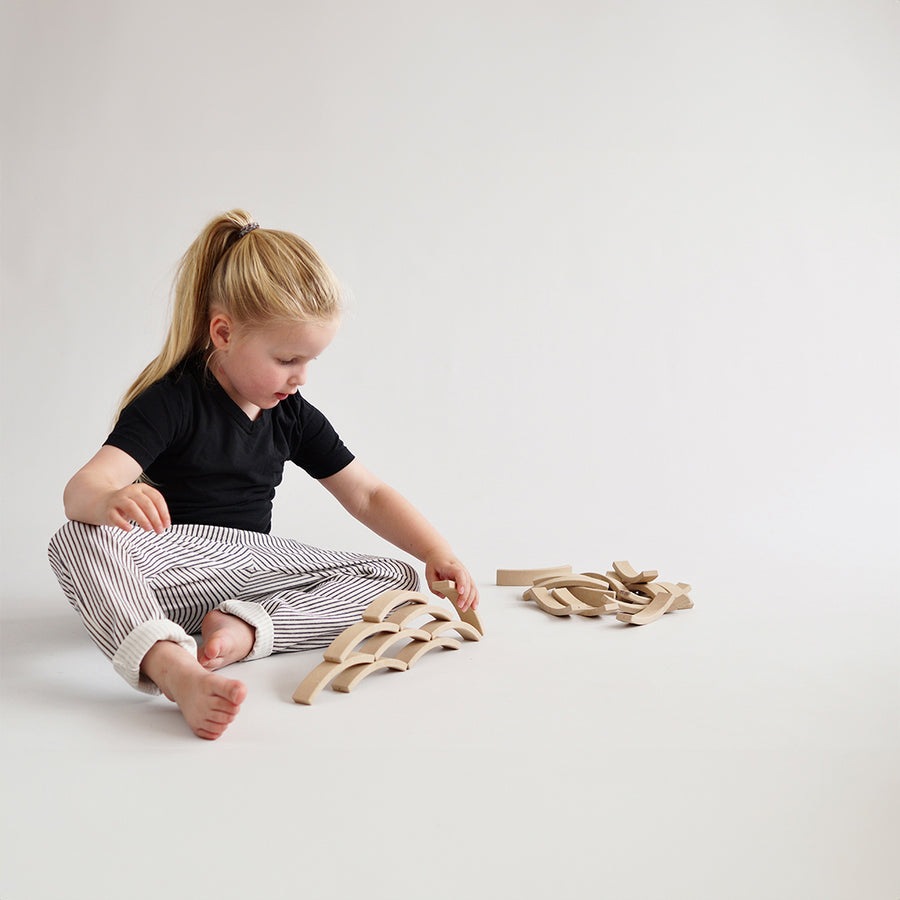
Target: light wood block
464, 629
448, 589
567, 598
309, 688
350, 678
527, 577
546, 601
627, 573
650, 613
573, 580
407, 614
412, 653
384, 603
379, 644
344, 644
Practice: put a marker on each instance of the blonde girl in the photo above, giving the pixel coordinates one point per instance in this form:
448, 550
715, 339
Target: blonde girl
197, 450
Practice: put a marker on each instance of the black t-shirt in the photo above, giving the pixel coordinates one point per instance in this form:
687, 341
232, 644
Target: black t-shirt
212, 463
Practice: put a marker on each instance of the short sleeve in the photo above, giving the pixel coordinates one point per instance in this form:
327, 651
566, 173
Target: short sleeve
318, 449
149, 424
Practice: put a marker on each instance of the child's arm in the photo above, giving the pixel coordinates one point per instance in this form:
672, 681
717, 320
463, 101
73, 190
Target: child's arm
103, 493
390, 515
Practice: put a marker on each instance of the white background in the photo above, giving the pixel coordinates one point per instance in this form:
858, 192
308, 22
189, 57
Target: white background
623, 283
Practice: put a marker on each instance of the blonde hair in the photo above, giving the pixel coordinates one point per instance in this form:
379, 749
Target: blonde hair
257, 276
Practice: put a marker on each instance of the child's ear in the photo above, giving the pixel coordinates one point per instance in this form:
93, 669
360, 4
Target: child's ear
221, 331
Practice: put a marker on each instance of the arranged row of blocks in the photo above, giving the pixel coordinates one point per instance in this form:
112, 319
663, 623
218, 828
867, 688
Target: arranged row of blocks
636, 598
388, 620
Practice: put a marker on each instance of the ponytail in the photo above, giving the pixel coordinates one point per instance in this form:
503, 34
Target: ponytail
257, 276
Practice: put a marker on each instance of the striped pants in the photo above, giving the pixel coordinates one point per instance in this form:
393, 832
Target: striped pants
134, 588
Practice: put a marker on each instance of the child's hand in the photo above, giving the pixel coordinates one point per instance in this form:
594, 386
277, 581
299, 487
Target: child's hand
138, 503
448, 568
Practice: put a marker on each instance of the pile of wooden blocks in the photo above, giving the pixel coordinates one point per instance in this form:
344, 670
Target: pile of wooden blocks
636, 598
387, 621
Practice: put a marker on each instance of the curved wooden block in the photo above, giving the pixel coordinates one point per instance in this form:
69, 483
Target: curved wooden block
570, 581
594, 596
526, 577
598, 575
649, 613
464, 629
384, 603
343, 645
627, 596
614, 582
412, 653
546, 601
404, 616
379, 644
470, 616
309, 688
680, 592
627, 573
567, 598
355, 674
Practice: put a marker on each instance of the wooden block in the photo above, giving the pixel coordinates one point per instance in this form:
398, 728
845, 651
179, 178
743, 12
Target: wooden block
573, 580
343, 645
384, 603
626, 573
680, 592
379, 645
403, 616
547, 602
594, 596
526, 577
412, 653
464, 629
309, 688
614, 582
627, 596
649, 613
350, 678
448, 589
567, 598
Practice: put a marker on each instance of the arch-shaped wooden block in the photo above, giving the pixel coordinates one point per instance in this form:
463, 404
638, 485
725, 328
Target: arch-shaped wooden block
407, 614
350, 678
680, 591
649, 613
604, 600
573, 580
567, 598
614, 582
547, 602
412, 653
470, 616
629, 575
384, 603
526, 577
599, 576
379, 644
344, 644
634, 599
464, 629
309, 688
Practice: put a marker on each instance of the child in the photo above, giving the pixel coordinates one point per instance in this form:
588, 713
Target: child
193, 460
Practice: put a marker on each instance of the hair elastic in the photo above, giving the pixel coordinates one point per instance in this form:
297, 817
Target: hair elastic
248, 228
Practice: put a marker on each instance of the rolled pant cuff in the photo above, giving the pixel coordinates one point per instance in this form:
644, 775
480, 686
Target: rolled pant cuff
255, 616
128, 658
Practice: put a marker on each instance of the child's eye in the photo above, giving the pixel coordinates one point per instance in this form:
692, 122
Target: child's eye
287, 362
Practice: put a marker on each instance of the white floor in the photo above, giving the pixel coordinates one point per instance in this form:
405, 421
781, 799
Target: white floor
742, 749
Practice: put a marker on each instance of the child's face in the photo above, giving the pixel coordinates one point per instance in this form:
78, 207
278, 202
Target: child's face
258, 368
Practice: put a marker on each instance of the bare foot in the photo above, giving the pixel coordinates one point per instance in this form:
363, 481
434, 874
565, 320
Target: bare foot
226, 639
208, 702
